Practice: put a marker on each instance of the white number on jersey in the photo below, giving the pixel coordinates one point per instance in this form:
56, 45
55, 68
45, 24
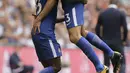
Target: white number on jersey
68, 18
38, 6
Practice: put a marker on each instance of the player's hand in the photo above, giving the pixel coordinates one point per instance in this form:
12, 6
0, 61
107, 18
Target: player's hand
36, 25
34, 16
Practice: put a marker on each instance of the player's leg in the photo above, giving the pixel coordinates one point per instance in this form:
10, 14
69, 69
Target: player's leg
74, 20
48, 52
96, 41
85, 46
51, 66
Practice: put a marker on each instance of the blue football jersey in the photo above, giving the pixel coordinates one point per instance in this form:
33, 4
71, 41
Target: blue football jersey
48, 24
45, 43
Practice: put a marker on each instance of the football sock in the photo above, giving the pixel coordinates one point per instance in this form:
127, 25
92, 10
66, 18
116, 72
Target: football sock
48, 70
97, 42
86, 47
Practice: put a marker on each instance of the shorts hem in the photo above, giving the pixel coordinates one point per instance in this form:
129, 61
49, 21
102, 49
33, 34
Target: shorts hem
74, 26
49, 58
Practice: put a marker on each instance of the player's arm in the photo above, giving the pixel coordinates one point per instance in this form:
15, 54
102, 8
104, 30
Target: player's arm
124, 25
98, 26
47, 8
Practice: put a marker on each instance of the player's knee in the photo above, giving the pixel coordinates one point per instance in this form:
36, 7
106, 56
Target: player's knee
57, 69
84, 32
74, 38
75, 34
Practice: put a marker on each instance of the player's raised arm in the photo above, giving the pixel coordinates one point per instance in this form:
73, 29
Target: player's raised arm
47, 8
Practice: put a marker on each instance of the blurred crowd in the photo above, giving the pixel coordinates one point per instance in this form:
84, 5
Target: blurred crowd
16, 20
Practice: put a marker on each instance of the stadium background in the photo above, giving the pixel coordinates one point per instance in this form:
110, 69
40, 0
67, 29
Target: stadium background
16, 24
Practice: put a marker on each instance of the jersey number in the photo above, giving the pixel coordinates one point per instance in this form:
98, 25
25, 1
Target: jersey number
67, 17
38, 6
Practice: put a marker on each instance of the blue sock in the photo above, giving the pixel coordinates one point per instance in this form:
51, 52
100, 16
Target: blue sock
48, 70
97, 42
86, 47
